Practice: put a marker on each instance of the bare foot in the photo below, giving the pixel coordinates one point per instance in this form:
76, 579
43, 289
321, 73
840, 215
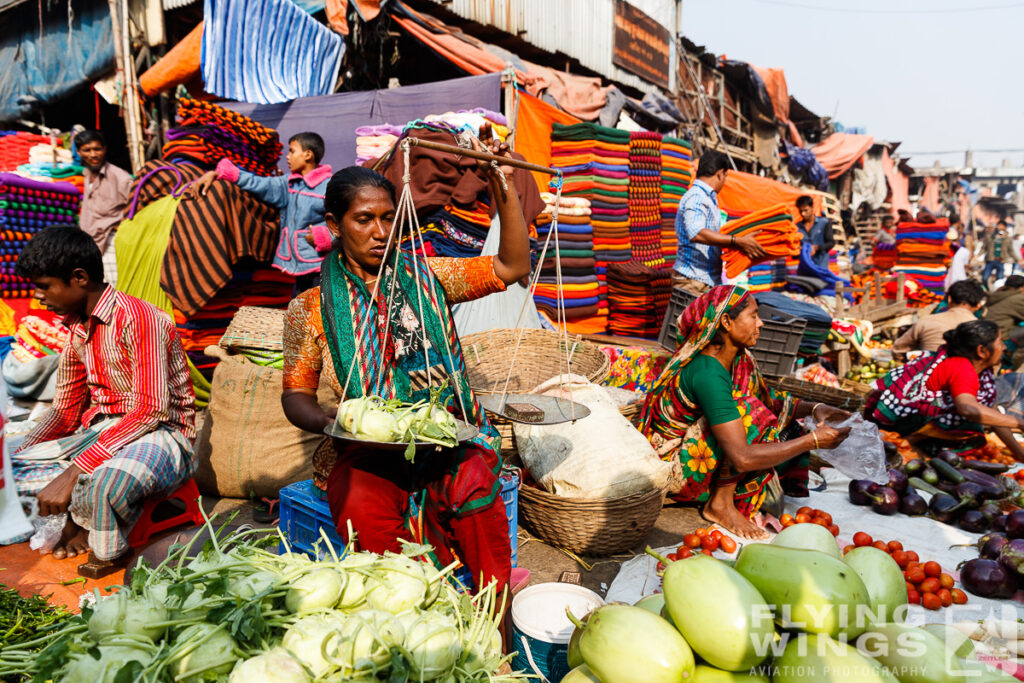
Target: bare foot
74, 541
727, 516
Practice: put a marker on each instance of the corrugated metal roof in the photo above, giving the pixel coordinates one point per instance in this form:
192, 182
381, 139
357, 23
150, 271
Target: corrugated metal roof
581, 29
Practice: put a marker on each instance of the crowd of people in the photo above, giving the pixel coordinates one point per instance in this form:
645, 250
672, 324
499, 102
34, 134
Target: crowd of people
123, 420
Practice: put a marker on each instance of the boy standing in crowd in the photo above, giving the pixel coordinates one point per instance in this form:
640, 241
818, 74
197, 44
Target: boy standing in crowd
123, 419
816, 230
304, 238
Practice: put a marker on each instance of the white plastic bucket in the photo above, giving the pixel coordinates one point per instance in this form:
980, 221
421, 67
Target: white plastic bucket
541, 630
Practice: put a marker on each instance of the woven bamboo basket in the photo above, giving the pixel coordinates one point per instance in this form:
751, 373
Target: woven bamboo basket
255, 327
590, 527
541, 356
809, 391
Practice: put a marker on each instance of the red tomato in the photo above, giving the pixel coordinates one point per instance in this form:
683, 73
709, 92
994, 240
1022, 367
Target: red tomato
661, 566
933, 569
786, 519
881, 546
716, 534
707, 552
671, 557
959, 597
913, 597
805, 511
825, 516
709, 543
912, 556
820, 521
947, 581
834, 529
910, 586
727, 544
916, 575
801, 518
900, 557
930, 585
945, 596
861, 539
848, 549
691, 540
684, 553
931, 601
894, 546
701, 532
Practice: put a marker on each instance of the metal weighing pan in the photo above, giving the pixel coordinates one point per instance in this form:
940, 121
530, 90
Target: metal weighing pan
556, 410
466, 432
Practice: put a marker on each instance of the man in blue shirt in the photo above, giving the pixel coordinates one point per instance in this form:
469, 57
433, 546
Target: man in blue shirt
698, 222
817, 231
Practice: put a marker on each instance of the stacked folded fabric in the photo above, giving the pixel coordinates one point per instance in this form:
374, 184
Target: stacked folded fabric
645, 199
585, 298
883, 256
207, 133
373, 142
16, 146
595, 161
266, 287
676, 178
638, 297
922, 253
768, 275
26, 207
774, 230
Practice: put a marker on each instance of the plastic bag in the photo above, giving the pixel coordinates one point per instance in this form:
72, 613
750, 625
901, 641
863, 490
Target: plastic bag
13, 524
861, 455
48, 531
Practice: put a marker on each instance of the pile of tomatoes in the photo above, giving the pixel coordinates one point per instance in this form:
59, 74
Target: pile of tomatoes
705, 541
806, 515
927, 584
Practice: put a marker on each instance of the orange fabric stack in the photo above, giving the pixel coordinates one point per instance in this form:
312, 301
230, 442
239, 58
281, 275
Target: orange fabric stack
773, 228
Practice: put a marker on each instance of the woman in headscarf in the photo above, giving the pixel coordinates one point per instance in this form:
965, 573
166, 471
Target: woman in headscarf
945, 399
408, 347
712, 401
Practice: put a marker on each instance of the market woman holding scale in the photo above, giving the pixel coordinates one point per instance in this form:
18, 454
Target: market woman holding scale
380, 324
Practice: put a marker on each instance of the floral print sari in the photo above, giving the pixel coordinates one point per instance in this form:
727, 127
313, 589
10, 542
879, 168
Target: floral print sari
670, 414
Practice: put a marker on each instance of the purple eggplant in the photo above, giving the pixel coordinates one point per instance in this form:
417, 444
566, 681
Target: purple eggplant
1015, 524
949, 457
944, 507
1011, 556
999, 524
861, 491
991, 511
987, 579
898, 481
885, 501
973, 521
912, 504
992, 488
991, 544
970, 494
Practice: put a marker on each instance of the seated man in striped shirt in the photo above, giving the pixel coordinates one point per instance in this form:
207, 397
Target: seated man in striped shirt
123, 418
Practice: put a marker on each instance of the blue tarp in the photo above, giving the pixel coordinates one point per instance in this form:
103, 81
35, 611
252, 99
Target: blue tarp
51, 65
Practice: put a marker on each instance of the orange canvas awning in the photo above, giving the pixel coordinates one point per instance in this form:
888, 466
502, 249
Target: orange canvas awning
840, 151
533, 132
746, 192
180, 65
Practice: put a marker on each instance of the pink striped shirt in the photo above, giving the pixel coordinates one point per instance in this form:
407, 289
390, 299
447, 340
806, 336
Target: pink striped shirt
125, 360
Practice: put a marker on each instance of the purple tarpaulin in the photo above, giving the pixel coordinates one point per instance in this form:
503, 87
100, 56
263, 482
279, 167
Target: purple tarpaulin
336, 117
14, 180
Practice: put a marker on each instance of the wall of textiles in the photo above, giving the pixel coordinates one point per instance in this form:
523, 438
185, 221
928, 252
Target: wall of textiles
210, 254
623, 249
26, 207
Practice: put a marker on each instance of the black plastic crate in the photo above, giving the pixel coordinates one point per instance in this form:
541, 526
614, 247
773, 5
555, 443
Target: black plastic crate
776, 349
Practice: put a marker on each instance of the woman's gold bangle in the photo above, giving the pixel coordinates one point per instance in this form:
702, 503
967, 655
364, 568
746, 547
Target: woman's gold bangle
815, 435
814, 410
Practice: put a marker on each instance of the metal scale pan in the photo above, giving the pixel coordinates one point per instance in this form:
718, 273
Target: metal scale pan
556, 410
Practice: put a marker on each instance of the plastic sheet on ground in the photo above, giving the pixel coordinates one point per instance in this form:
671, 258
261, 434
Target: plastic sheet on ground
930, 539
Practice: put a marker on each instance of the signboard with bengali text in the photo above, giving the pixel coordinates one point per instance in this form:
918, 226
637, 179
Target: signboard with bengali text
641, 45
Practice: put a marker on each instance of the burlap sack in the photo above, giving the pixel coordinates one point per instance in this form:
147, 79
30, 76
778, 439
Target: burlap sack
246, 447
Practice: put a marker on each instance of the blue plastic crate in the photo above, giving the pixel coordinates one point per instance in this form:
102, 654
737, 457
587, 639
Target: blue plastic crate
303, 512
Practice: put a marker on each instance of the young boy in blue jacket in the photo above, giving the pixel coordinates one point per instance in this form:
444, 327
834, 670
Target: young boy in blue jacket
299, 196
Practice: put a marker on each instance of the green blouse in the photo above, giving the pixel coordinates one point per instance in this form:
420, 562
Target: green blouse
705, 382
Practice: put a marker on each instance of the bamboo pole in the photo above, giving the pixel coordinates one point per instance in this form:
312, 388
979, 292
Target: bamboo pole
482, 156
